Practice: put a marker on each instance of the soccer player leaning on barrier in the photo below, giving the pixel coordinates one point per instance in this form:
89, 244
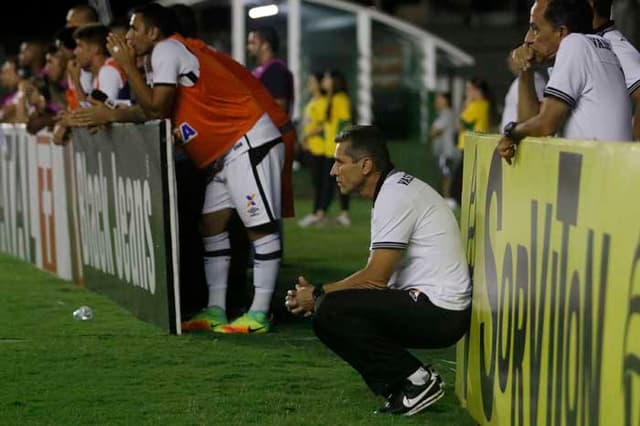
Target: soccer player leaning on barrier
415, 290
223, 126
585, 97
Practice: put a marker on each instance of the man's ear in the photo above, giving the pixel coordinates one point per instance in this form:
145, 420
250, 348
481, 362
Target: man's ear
154, 33
367, 166
564, 31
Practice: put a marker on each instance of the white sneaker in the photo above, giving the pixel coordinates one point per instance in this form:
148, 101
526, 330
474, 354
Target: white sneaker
308, 220
343, 220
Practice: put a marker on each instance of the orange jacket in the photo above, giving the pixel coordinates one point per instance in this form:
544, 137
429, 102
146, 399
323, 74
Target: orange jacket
214, 113
279, 117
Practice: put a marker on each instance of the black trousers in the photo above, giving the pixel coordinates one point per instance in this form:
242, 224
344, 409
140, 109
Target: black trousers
372, 329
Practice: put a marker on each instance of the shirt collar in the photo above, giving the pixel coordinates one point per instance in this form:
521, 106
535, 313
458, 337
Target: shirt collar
601, 30
383, 176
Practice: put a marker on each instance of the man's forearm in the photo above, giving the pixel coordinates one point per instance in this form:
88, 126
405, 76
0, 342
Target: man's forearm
361, 280
130, 114
144, 93
535, 126
528, 102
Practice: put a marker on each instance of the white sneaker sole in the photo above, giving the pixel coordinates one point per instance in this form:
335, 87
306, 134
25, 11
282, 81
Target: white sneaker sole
426, 403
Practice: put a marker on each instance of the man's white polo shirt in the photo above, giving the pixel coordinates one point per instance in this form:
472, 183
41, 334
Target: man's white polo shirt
410, 215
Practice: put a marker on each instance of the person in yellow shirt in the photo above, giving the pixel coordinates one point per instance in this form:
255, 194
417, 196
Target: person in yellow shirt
313, 142
337, 118
478, 115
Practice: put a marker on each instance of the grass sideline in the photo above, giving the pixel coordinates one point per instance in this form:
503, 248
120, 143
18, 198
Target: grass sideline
115, 369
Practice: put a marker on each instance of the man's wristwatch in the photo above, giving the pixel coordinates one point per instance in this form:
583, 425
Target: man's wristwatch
318, 291
508, 131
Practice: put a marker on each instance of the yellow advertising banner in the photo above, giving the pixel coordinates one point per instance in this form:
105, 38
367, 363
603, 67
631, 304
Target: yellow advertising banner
554, 246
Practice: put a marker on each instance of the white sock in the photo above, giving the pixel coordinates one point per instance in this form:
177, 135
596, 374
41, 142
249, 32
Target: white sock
266, 263
419, 377
217, 257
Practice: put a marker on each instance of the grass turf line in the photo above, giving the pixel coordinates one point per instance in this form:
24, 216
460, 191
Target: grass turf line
115, 369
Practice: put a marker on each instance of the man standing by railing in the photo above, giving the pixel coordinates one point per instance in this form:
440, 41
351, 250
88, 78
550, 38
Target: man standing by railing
221, 126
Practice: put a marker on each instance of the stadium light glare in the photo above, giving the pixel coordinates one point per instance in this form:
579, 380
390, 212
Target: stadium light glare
263, 11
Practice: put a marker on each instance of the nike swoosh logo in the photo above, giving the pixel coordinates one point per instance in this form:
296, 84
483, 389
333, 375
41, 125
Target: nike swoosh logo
253, 330
410, 402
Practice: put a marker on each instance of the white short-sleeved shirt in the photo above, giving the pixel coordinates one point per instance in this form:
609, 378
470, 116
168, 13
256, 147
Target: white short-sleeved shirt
628, 56
109, 81
408, 214
444, 144
588, 77
172, 63
510, 112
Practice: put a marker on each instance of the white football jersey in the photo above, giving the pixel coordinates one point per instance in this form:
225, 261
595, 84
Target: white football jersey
628, 56
109, 81
410, 215
588, 77
510, 112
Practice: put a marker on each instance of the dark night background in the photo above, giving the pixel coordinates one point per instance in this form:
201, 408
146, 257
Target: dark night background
28, 19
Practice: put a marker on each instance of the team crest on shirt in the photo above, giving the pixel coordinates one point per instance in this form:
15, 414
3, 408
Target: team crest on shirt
414, 294
252, 205
187, 132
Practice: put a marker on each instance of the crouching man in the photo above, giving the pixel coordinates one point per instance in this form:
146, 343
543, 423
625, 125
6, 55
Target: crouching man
415, 290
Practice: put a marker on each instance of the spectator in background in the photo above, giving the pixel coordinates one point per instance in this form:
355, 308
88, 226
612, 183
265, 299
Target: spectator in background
478, 115
586, 96
443, 144
78, 16
628, 55
510, 111
55, 72
32, 59
263, 44
81, 15
92, 55
314, 143
9, 78
414, 292
337, 118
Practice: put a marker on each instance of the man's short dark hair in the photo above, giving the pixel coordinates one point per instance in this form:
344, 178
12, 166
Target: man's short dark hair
576, 15
366, 141
270, 35
95, 34
89, 13
602, 8
64, 37
156, 15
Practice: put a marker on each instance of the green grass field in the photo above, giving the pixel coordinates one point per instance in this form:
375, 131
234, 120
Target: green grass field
116, 369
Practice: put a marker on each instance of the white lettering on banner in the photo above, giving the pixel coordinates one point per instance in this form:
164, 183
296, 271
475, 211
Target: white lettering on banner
46, 211
14, 198
132, 250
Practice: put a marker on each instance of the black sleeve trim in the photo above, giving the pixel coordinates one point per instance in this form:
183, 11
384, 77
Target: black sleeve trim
635, 86
550, 91
165, 84
389, 245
